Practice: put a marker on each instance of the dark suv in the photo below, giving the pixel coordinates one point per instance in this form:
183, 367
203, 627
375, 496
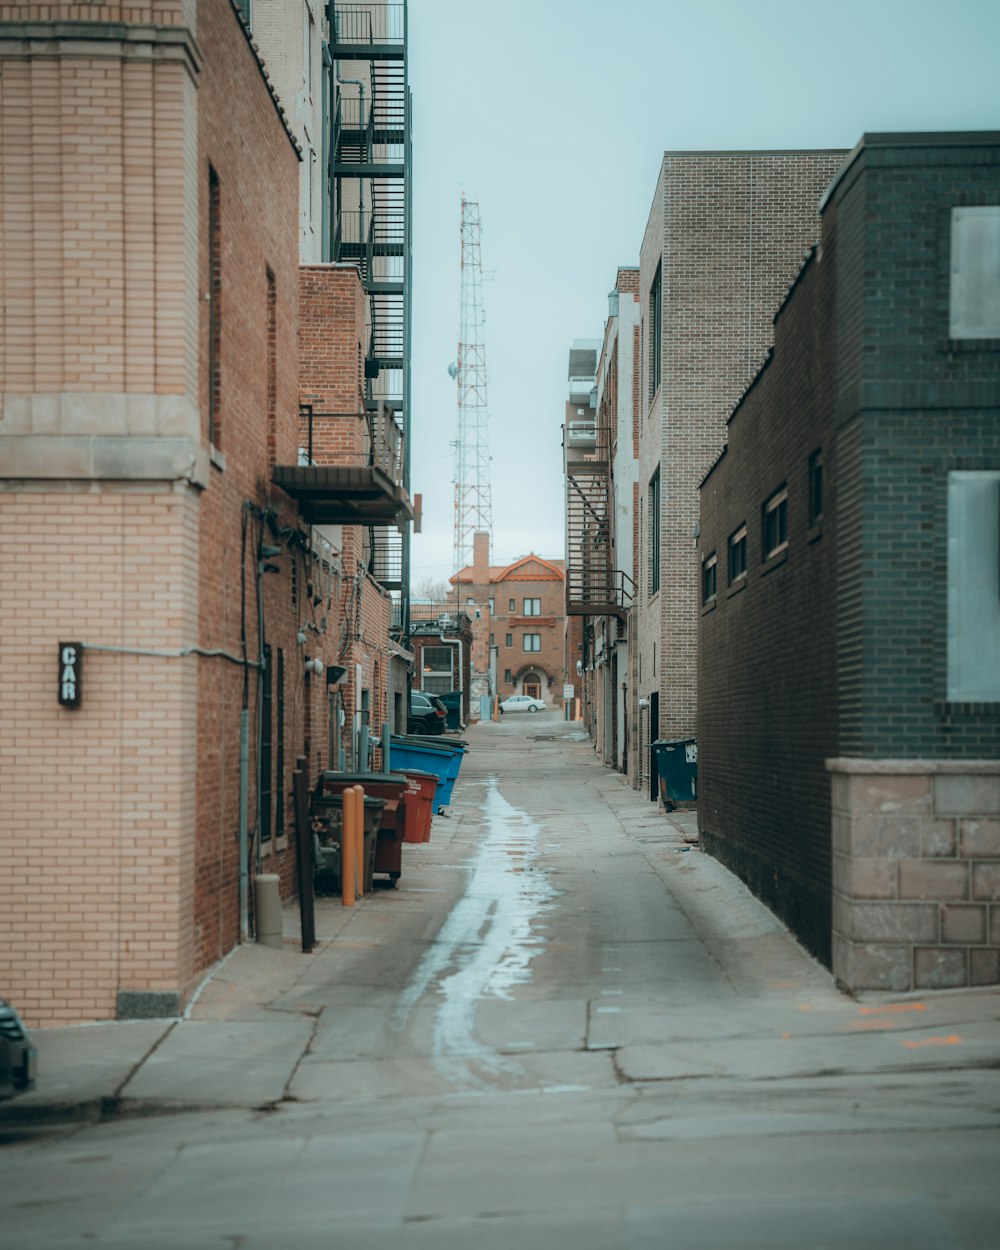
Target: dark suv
17, 1054
428, 715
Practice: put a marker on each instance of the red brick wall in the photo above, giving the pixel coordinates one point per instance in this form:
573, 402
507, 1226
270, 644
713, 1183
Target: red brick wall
242, 137
331, 356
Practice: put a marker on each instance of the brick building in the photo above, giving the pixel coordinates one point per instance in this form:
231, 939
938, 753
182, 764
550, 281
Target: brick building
523, 613
725, 236
601, 482
850, 608
150, 406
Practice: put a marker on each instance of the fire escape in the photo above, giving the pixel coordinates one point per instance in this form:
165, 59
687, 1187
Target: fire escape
594, 587
370, 173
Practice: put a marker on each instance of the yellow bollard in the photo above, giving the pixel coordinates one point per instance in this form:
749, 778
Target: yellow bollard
359, 840
348, 845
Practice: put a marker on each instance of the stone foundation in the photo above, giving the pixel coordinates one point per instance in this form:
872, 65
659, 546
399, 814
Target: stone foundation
916, 873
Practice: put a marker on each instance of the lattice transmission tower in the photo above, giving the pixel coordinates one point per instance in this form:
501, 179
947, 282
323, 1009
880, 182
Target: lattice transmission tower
473, 506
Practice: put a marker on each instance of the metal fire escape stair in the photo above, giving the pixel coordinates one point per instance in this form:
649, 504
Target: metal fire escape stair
370, 161
593, 586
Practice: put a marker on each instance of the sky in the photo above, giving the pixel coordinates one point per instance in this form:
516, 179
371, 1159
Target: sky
553, 115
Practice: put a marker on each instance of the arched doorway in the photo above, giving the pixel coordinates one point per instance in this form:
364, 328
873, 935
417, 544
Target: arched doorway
531, 685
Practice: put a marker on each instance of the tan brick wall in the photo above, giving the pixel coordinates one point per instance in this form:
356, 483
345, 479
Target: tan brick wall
124, 814
730, 230
96, 803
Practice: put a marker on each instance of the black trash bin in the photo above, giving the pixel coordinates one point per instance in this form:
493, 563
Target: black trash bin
677, 767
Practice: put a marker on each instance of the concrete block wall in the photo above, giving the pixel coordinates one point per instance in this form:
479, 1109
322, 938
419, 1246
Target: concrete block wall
916, 873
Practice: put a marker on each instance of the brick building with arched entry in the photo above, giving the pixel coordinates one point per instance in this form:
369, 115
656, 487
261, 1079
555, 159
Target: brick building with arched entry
523, 613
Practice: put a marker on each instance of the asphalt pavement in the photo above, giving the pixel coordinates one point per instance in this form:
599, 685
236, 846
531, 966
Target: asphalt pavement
566, 1026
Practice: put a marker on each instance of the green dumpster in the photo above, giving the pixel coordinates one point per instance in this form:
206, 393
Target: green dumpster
677, 768
453, 702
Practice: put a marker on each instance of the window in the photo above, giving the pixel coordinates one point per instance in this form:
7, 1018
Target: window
655, 330
279, 765
214, 307
493, 607
532, 607
507, 677
974, 586
816, 487
508, 640
266, 741
654, 533
775, 523
975, 273
532, 642
738, 554
436, 675
511, 605
709, 578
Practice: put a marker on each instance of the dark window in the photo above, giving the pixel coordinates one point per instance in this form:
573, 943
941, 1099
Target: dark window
510, 605
507, 677
816, 486
775, 523
738, 554
214, 309
266, 730
508, 640
279, 767
655, 330
709, 578
654, 533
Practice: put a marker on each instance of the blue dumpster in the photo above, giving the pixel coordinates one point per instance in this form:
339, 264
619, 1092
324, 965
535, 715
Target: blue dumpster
440, 756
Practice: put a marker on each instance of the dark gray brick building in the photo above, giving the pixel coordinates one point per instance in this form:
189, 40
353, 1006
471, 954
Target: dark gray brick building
849, 649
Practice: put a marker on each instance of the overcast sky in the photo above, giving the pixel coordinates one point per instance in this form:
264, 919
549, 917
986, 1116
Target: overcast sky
554, 115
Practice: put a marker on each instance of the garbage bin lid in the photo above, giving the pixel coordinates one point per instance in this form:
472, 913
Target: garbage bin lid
359, 779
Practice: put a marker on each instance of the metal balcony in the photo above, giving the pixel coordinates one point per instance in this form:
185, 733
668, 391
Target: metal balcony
363, 486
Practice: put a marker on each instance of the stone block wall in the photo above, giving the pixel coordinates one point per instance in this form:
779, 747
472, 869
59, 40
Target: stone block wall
916, 873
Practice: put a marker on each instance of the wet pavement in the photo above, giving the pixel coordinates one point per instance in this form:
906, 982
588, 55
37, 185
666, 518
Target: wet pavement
565, 1027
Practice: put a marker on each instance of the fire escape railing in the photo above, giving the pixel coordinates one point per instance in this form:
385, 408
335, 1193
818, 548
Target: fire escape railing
593, 586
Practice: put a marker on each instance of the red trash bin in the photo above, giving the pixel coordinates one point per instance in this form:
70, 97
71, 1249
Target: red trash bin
420, 790
392, 788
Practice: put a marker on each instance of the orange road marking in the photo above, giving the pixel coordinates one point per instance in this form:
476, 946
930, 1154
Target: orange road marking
951, 1040
892, 1007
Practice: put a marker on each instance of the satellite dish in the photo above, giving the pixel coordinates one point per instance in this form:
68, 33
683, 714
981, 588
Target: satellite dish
452, 371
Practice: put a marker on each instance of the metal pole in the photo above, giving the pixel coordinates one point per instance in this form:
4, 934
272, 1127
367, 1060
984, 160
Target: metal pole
244, 786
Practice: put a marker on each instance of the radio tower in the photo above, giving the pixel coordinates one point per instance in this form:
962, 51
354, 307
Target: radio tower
473, 508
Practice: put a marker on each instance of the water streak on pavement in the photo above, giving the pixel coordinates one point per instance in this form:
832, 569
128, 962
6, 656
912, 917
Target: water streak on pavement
486, 945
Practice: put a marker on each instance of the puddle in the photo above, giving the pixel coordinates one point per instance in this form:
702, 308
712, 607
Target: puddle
485, 947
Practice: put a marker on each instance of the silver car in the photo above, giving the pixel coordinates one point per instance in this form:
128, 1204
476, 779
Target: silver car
523, 703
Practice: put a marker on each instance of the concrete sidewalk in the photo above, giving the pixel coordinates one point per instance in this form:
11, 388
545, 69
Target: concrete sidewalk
244, 1035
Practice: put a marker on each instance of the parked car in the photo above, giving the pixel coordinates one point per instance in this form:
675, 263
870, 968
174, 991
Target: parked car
523, 703
18, 1056
427, 715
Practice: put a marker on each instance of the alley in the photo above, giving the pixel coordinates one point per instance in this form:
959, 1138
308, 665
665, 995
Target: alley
566, 1026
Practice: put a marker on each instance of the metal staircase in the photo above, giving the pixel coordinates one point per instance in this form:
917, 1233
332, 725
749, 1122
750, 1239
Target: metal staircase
370, 173
593, 586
